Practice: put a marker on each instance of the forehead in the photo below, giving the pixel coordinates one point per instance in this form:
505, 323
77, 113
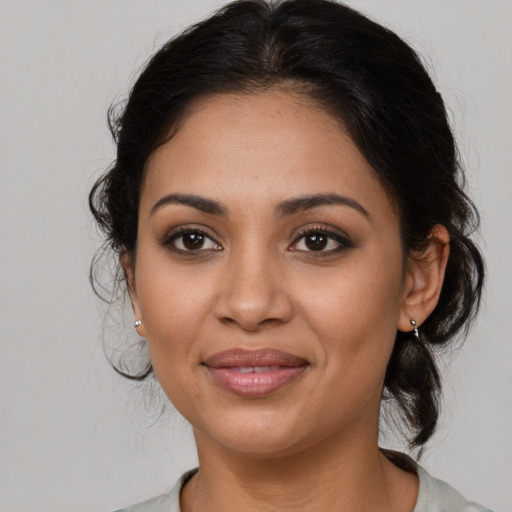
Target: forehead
261, 147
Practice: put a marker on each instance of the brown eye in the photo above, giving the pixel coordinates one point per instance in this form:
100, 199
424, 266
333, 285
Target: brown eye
193, 241
316, 242
321, 242
189, 240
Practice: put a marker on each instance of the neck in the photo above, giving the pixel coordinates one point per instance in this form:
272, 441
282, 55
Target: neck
333, 475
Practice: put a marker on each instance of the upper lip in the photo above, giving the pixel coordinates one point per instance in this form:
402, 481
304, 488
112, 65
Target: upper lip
240, 357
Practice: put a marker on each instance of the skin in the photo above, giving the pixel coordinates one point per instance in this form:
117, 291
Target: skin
256, 283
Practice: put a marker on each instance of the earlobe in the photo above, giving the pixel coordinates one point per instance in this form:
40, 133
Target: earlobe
424, 280
129, 275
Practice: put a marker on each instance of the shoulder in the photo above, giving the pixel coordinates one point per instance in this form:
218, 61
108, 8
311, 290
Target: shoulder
434, 495
168, 502
437, 496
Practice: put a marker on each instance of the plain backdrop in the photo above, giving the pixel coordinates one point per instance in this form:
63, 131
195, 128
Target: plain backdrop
73, 434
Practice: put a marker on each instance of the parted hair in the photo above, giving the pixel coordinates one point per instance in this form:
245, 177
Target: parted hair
372, 81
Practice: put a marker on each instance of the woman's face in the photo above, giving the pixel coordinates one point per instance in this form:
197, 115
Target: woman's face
269, 275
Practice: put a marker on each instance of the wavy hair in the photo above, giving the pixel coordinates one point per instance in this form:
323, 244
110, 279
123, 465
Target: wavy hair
376, 85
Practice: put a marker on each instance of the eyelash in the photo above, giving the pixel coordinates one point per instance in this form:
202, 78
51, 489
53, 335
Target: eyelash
343, 241
170, 239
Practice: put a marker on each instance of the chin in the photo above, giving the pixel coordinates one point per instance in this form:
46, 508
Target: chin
262, 446
269, 434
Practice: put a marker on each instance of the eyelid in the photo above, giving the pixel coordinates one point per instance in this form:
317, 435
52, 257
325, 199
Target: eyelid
339, 236
176, 232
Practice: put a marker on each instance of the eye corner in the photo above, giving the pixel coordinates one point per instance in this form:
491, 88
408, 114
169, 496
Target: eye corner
323, 239
200, 241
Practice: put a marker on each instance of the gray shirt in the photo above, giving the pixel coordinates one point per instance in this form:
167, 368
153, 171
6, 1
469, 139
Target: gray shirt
434, 496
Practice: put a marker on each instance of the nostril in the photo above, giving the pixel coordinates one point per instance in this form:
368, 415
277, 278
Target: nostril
251, 295
254, 316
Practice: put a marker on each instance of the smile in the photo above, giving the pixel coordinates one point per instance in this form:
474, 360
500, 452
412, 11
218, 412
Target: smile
254, 373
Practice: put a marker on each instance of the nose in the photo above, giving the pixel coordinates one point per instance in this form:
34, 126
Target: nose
252, 294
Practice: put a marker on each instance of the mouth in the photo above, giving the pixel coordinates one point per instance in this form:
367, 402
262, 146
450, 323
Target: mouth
254, 373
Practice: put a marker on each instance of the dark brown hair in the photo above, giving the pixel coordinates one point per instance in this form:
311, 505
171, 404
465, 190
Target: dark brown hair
370, 79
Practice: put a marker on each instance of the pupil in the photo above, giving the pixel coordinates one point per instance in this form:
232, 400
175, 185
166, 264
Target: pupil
316, 242
193, 240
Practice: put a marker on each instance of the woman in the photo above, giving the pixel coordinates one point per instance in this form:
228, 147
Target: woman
286, 208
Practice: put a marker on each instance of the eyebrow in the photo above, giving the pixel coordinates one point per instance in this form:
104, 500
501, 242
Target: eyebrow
295, 205
198, 202
283, 209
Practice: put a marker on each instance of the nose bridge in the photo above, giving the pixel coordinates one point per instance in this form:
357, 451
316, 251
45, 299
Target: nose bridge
252, 294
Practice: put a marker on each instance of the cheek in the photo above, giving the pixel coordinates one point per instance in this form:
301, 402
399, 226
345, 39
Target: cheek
366, 292
354, 311
173, 306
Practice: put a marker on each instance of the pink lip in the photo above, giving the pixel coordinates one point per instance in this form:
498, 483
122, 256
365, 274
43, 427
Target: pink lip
254, 373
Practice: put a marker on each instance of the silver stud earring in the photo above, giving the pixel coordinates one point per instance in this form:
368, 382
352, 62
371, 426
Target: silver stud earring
416, 332
137, 323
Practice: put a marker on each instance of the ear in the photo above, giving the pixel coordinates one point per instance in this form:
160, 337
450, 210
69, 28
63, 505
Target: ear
129, 274
424, 279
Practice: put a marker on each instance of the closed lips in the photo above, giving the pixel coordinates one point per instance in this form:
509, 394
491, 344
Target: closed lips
254, 373
254, 369
261, 358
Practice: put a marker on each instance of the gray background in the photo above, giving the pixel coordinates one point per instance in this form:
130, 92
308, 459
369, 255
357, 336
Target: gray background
74, 436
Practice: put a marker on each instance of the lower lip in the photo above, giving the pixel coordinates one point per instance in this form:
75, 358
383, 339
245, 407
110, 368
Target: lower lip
254, 385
